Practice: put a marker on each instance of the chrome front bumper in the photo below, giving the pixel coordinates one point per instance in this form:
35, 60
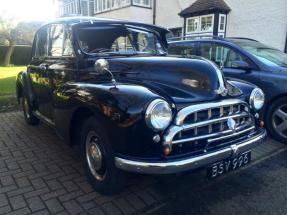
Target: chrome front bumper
191, 163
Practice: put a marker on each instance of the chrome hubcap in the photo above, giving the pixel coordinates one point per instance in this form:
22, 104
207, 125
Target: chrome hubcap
94, 156
279, 120
26, 107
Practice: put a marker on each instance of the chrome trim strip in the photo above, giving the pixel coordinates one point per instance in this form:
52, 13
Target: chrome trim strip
232, 134
212, 121
182, 114
188, 163
44, 118
172, 131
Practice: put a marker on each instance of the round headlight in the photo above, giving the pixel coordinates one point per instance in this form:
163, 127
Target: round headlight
257, 99
158, 115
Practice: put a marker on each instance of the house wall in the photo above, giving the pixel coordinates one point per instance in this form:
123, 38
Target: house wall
263, 20
131, 13
167, 12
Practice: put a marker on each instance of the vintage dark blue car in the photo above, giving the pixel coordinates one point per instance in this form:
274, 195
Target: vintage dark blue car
108, 86
249, 60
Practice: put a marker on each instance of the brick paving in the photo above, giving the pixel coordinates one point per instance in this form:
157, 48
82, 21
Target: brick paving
39, 174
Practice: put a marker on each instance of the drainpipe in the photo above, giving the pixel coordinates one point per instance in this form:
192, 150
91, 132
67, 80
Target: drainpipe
154, 12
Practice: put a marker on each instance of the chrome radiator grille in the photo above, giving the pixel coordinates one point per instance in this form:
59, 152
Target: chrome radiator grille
205, 124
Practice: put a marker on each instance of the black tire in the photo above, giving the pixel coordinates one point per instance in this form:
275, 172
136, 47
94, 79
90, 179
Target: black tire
106, 178
28, 114
273, 120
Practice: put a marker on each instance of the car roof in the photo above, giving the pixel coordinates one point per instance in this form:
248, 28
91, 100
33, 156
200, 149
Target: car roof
74, 20
210, 39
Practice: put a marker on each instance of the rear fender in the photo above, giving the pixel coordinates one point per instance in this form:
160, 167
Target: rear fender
24, 85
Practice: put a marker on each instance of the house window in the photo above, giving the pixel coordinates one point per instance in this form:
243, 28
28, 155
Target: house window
192, 25
98, 6
144, 3
85, 7
105, 5
115, 4
222, 20
206, 23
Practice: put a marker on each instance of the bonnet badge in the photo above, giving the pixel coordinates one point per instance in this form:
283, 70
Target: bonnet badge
231, 124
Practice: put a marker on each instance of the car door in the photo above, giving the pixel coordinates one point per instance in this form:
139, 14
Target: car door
38, 72
233, 63
60, 62
46, 68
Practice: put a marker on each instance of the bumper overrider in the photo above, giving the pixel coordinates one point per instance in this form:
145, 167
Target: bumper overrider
190, 163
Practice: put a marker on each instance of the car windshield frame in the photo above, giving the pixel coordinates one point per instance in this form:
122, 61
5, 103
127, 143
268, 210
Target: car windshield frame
265, 54
158, 51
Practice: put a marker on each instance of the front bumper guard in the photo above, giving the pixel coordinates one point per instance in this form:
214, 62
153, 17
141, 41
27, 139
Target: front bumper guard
195, 162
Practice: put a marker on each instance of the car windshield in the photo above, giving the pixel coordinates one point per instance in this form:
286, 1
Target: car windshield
118, 40
265, 54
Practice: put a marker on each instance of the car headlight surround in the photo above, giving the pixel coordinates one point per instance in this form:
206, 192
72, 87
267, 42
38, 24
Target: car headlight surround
257, 99
158, 115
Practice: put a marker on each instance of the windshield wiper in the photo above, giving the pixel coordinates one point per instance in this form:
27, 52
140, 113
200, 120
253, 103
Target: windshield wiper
117, 54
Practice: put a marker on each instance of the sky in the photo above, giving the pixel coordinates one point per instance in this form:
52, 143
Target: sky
28, 10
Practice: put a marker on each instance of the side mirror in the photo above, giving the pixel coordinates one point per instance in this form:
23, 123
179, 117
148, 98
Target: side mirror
101, 66
239, 64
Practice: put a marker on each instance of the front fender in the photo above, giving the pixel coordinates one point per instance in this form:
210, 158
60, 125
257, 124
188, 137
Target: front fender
120, 109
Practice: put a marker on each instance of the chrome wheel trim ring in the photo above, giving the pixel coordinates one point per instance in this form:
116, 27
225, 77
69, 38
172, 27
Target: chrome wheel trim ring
94, 156
26, 107
281, 126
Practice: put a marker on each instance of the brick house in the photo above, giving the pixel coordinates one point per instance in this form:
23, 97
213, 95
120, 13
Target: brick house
263, 20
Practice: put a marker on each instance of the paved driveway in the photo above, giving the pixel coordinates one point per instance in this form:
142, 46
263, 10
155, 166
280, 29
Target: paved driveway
39, 174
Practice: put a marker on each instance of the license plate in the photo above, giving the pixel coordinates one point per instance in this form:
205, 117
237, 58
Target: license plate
228, 165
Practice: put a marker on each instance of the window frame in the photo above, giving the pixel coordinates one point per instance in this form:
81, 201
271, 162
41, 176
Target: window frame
66, 34
212, 23
251, 63
141, 4
50, 40
98, 6
88, 7
198, 22
224, 24
35, 44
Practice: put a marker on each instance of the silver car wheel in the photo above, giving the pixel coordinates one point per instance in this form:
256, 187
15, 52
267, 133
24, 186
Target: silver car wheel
279, 120
94, 156
26, 107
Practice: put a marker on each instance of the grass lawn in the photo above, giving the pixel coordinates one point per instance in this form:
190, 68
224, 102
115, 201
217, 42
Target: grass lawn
8, 86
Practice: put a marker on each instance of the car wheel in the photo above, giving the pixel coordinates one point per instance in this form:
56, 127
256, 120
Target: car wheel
277, 120
28, 115
98, 159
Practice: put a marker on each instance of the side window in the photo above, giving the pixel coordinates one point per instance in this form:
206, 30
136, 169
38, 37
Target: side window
56, 40
122, 44
41, 44
68, 47
182, 49
219, 54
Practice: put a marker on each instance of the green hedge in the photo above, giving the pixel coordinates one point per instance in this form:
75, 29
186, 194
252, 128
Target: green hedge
20, 56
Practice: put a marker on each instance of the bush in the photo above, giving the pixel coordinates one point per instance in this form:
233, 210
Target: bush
20, 56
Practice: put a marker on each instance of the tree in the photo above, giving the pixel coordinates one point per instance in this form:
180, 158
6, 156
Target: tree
26, 31
12, 34
9, 35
